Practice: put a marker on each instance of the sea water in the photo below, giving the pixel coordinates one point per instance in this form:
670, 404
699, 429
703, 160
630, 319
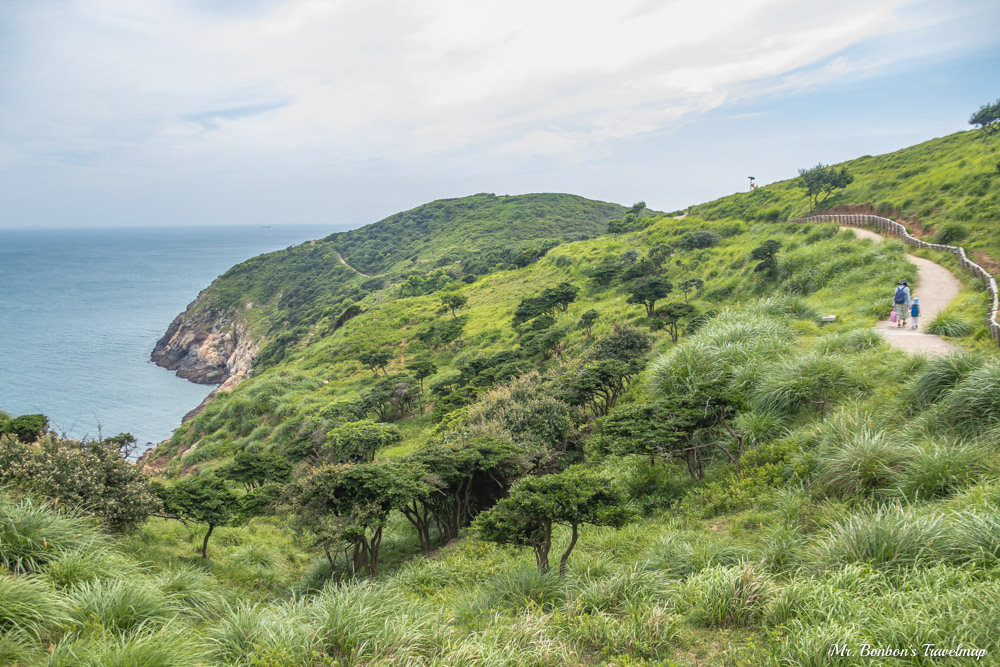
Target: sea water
81, 309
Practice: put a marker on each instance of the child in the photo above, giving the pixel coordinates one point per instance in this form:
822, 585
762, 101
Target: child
915, 312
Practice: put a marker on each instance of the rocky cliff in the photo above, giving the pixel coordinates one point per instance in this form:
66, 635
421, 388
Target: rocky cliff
205, 347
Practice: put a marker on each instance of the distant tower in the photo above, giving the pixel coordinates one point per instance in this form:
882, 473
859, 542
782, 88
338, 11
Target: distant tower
753, 186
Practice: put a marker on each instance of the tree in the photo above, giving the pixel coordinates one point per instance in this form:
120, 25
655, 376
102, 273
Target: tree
465, 479
375, 360
698, 240
681, 427
345, 507
691, 285
988, 117
560, 296
604, 272
605, 374
648, 291
671, 315
658, 254
254, 470
453, 301
27, 428
390, 397
205, 499
636, 208
357, 442
91, 476
766, 256
820, 181
421, 369
587, 320
571, 498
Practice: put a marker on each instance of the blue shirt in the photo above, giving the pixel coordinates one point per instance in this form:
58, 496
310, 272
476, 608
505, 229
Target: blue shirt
915, 310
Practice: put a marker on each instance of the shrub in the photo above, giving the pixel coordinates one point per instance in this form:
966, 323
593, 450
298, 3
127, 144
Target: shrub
949, 324
865, 464
33, 534
951, 233
191, 591
723, 597
940, 468
681, 556
975, 402
92, 562
793, 383
119, 606
29, 607
170, 646
942, 374
619, 592
890, 537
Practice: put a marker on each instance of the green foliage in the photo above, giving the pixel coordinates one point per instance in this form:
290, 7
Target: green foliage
987, 117
647, 291
206, 499
699, 239
33, 534
453, 301
26, 428
948, 324
867, 463
729, 596
951, 233
535, 504
792, 384
819, 182
940, 375
253, 470
90, 475
357, 442
375, 360
29, 607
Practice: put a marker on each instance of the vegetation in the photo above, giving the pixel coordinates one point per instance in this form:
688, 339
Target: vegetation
722, 480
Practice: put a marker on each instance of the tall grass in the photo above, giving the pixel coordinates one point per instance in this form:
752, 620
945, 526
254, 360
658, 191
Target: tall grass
974, 403
32, 534
728, 596
119, 606
869, 462
889, 537
942, 374
28, 607
793, 383
949, 324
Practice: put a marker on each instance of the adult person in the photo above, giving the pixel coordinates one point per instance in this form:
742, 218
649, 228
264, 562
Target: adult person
901, 301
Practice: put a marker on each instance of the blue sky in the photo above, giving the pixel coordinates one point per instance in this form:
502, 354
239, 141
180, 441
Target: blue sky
187, 112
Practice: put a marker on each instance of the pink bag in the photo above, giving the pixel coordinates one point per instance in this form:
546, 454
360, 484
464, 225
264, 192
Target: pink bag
892, 316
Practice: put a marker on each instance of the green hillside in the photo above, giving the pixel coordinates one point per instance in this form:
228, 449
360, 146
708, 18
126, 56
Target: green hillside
294, 289
948, 189
633, 444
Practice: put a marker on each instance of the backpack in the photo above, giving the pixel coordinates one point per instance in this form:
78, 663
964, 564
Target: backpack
900, 296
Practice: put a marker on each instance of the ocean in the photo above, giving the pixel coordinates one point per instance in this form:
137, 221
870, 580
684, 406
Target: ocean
81, 309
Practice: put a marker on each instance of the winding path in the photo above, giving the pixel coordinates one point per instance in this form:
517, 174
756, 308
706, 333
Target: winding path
349, 266
936, 286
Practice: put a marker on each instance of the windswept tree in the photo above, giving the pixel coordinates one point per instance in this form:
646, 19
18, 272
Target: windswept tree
453, 301
587, 320
376, 360
254, 470
684, 428
536, 504
604, 272
345, 507
671, 315
602, 377
357, 442
647, 291
987, 118
422, 369
205, 499
464, 480
819, 182
658, 254
766, 257
690, 285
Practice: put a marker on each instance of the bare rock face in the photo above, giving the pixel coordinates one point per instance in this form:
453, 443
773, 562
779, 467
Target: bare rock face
206, 348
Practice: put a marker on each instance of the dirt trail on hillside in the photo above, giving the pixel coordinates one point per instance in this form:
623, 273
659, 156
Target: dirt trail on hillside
936, 286
349, 266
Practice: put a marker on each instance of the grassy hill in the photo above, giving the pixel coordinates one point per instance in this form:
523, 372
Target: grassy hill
947, 189
782, 486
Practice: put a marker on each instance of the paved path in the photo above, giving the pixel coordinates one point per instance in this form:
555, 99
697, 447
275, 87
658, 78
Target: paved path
349, 266
936, 286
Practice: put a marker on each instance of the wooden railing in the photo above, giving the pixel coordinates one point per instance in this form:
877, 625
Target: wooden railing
887, 226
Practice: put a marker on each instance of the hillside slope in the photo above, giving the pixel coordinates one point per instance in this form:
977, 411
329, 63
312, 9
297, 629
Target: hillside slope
946, 189
259, 309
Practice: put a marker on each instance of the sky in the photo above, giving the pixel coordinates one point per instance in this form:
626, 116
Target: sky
198, 112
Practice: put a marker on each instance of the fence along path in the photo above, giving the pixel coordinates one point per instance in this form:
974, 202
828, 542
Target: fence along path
894, 228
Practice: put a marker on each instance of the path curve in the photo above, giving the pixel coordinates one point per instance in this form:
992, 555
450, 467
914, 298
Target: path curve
349, 266
936, 287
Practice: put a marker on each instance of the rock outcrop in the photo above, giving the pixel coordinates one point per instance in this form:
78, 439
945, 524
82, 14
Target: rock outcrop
206, 348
